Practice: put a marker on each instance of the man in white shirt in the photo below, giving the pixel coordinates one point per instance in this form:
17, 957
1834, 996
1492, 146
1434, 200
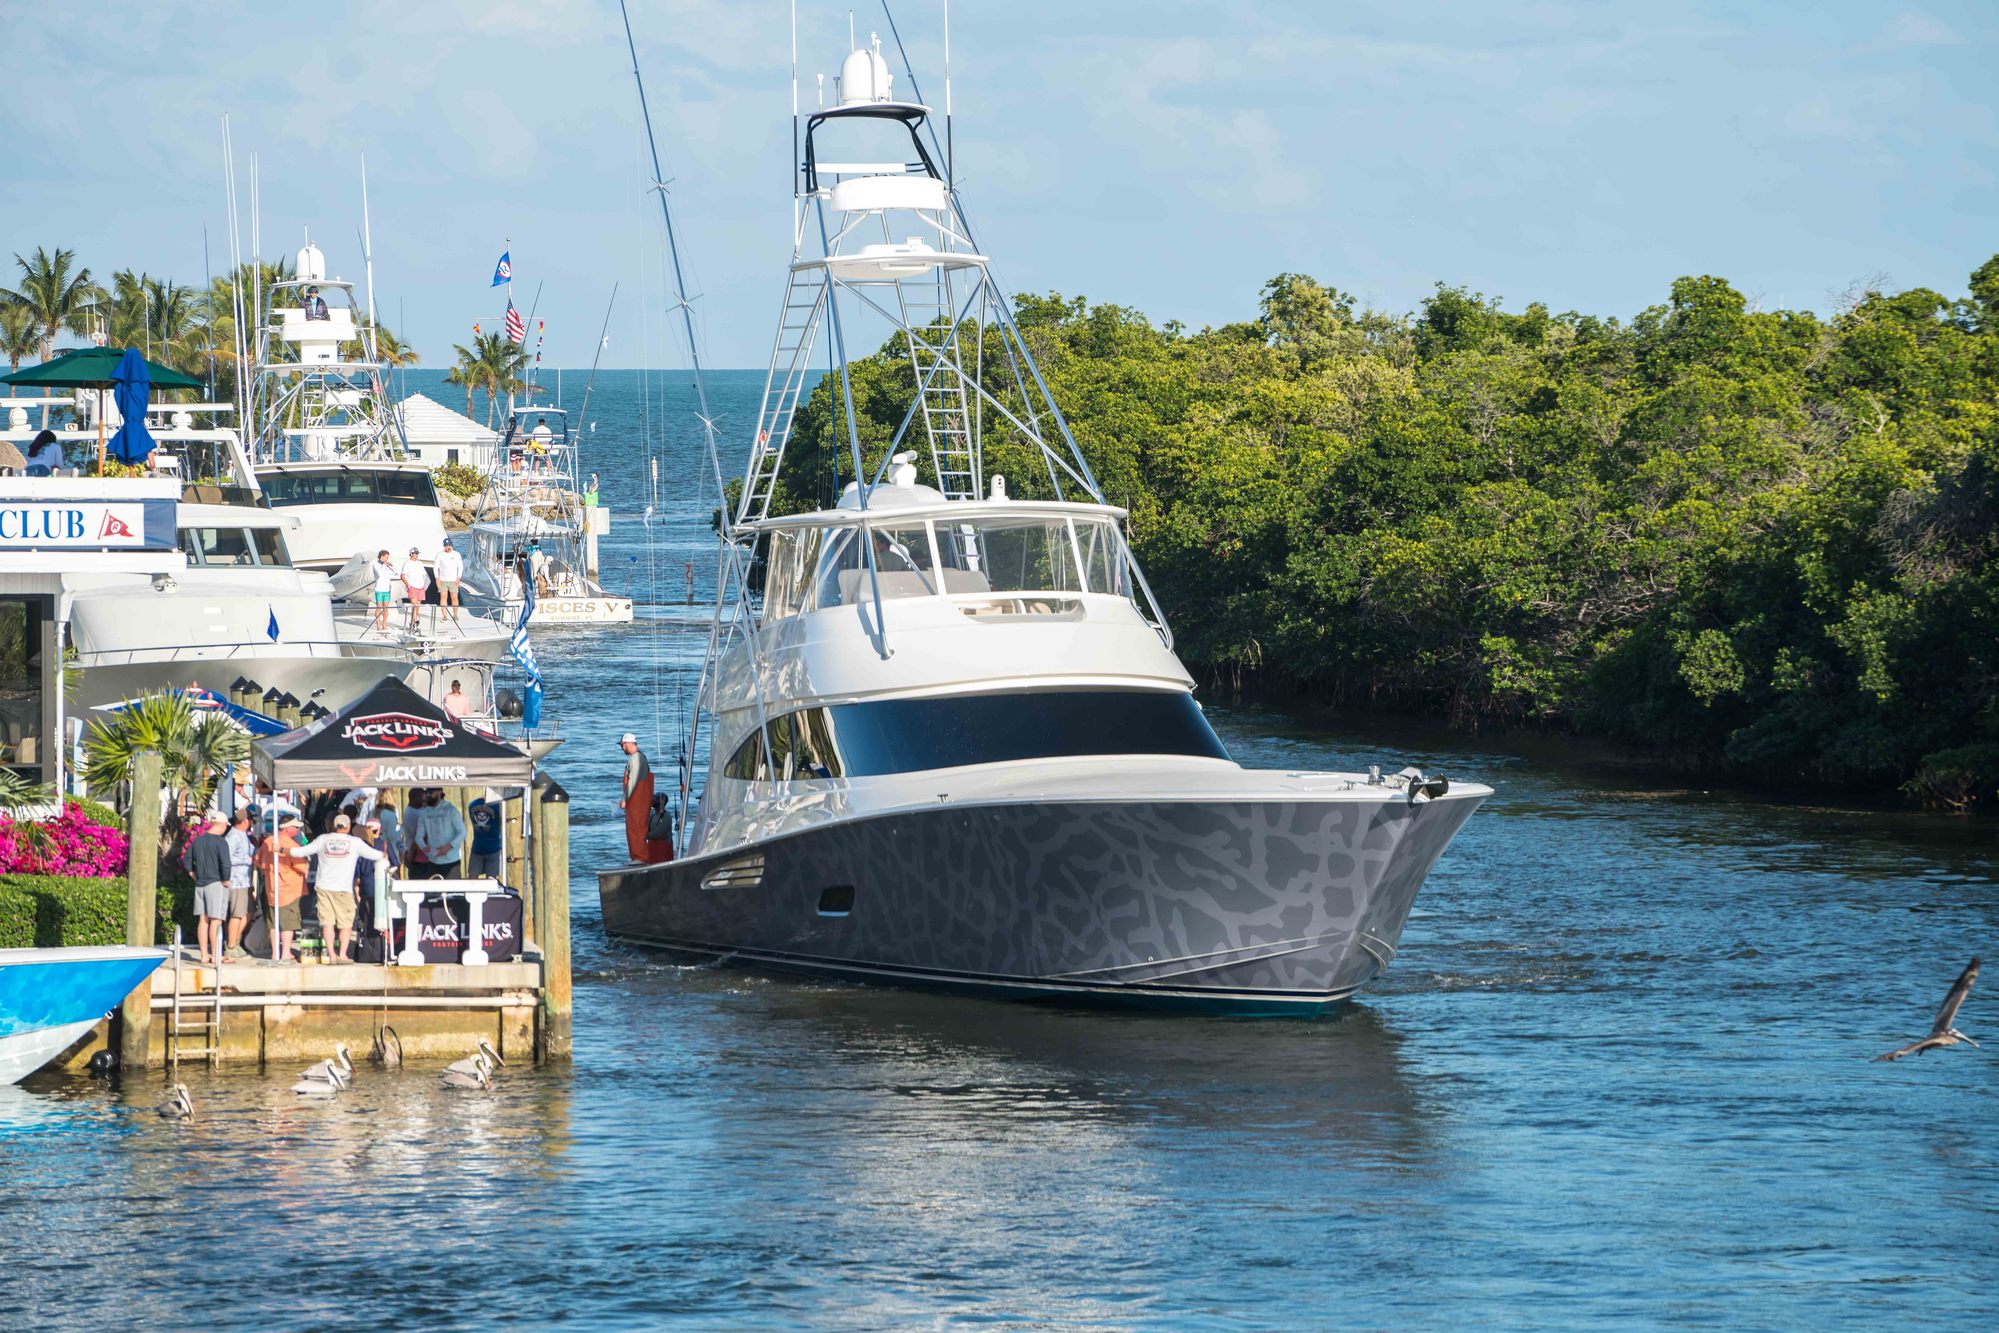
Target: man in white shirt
450, 568
385, 590
340, 853
416, 581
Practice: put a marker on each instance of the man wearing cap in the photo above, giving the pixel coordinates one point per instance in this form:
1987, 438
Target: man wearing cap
339, 852
208, 862
314, 304
284, 884
416, 581
242, 855
637, 801
450, 569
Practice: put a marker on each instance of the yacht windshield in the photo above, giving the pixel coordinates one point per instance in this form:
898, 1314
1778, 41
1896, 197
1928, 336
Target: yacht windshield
349, 487
913, 735
235, 547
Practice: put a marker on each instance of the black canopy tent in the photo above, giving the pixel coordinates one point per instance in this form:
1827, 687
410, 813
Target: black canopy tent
389, 737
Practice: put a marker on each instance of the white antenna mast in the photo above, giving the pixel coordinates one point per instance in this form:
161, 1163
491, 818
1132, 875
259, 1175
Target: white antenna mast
794, 118
368, 255
950, 153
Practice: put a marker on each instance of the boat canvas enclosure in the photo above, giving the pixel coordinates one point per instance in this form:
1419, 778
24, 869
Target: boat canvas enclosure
389, 737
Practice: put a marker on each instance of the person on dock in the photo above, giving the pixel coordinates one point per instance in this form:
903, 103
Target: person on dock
433, 833
242, 855
339, 853
371, 882
416, 582
488, 819
386, 815
284, 886
450, 569
385, 590
208, 862
637, 800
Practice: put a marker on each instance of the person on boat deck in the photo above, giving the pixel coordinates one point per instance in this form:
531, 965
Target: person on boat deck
284, 885
385, 590
242, 856
455, 702
659, 830
46, 452
450, 568
590, 494
538, 567
416, 581
637, 800
542, 434
339, 852
315, 307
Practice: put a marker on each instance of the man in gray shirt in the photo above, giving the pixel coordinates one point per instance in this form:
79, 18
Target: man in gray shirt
241, 853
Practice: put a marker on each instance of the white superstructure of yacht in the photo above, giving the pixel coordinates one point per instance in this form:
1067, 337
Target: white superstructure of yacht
233, 606
328, 445
947, 741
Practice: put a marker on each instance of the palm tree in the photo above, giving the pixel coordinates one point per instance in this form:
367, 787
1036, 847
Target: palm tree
499, 363
194, 748
129, 325
56, 292
466, 373
19, 335
393, 351
174, 320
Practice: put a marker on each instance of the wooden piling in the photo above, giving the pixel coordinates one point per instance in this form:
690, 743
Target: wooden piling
551, 899
135, 1012
515, 860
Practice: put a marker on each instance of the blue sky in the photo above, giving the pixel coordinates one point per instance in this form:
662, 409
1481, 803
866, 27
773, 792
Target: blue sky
1166, 155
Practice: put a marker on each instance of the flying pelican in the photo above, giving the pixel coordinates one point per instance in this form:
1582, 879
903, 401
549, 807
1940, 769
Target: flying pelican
340, 1064
325, 1081
480, 1075
388, 1051
484, 1052
177, 1107
1941, 1031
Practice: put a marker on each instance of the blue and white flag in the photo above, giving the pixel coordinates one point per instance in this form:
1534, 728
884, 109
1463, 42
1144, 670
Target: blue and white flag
522, 651
503, 272
272, 628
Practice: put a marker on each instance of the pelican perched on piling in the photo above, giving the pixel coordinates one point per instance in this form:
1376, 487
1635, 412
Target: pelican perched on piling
180, 1106
484, 1052
325, 1080
340, 1064
1942, 1033
480, 1075
388, 1049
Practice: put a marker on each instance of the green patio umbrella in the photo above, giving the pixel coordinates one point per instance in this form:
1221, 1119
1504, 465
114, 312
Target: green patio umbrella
93, 368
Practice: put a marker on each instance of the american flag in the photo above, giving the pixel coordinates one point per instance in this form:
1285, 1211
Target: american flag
517, 329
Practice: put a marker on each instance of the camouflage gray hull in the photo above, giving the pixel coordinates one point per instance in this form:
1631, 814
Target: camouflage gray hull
1263, 907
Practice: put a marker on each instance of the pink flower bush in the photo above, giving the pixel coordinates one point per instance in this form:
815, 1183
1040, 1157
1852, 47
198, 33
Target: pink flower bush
69, 844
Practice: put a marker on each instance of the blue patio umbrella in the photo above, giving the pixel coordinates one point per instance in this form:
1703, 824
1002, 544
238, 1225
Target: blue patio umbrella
132, 383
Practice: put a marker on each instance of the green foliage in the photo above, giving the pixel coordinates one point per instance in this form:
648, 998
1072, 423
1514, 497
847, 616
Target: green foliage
58, 911
1759, 543
458, 479
194, 748
18, 792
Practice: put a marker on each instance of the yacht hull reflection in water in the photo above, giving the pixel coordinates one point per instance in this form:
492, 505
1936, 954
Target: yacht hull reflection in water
1268, 907
948, 742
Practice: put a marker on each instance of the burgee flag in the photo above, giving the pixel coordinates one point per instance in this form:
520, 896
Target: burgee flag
504, 270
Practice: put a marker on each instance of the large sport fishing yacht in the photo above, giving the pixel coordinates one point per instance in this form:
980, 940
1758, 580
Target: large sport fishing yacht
950, 743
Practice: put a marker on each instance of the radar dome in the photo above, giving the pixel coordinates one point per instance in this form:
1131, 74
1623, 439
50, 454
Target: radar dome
311, 264
864, 75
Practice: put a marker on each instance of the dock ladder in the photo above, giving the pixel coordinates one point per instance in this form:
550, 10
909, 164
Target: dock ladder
200, 1023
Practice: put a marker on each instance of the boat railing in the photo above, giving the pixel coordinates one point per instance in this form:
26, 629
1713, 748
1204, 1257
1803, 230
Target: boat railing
194, 652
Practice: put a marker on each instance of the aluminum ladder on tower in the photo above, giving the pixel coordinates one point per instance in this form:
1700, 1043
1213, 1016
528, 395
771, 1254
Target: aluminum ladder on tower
201, 1022
798, 327
931, 327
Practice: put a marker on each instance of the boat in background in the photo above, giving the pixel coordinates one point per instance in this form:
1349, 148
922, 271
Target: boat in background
948, 742
328, 443
534, 522
49, 998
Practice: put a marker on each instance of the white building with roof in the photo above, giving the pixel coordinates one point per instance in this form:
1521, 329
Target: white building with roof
438, 435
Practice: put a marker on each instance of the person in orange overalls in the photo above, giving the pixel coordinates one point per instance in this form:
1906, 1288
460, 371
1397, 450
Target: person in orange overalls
637, 800
283, 877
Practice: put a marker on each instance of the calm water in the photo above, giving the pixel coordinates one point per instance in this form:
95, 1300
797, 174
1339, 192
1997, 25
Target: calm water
1619, 1072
